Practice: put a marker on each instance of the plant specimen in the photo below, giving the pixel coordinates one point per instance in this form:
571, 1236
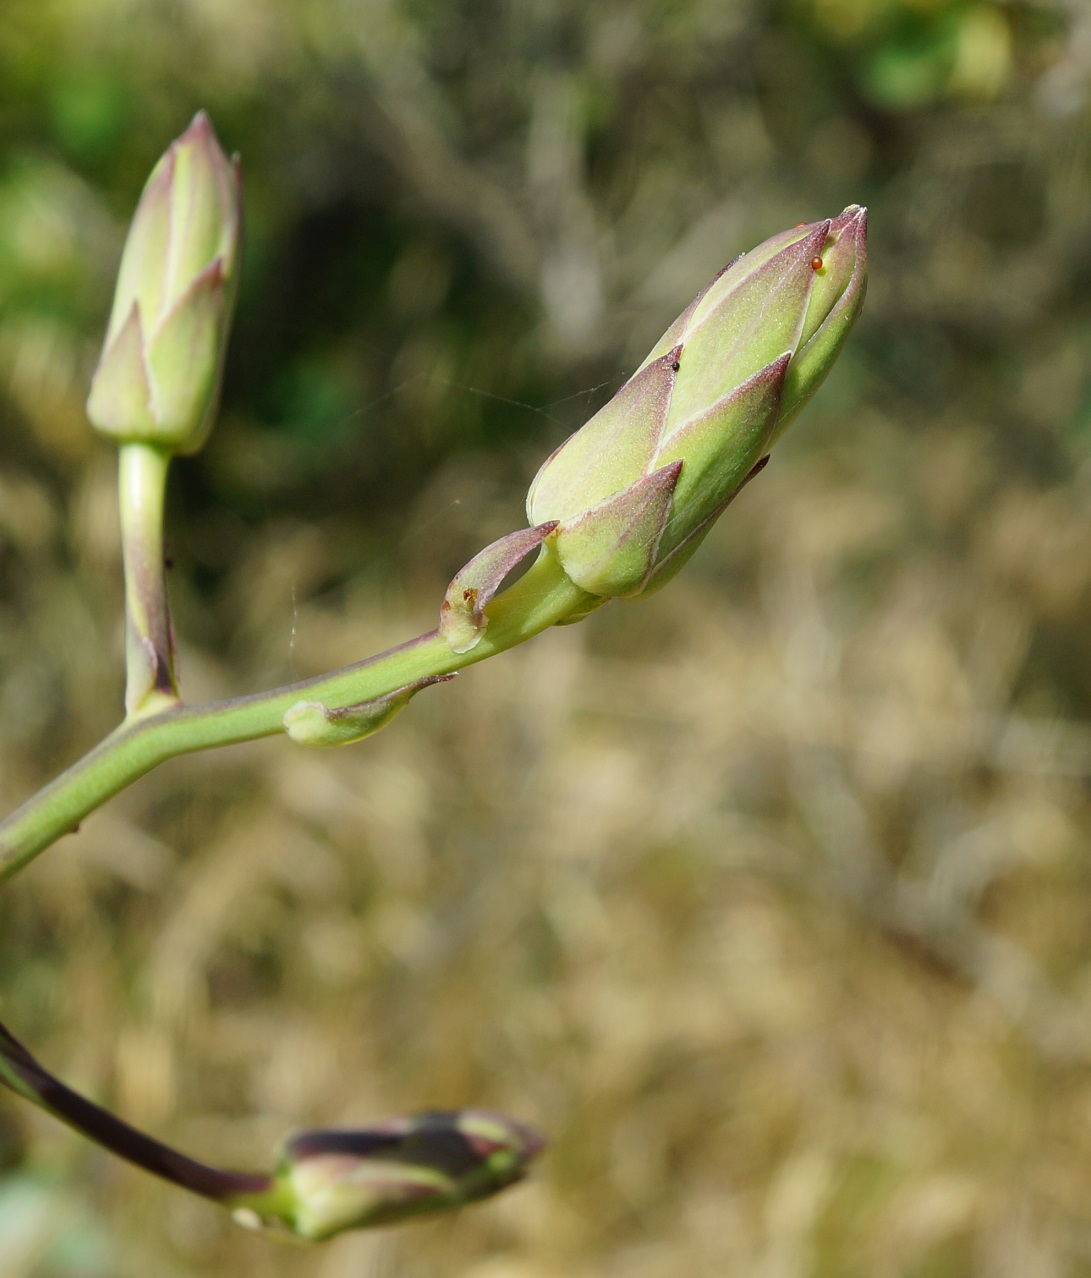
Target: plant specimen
615, 512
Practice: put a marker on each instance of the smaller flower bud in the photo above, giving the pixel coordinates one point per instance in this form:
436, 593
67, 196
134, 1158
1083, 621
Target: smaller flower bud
158, 377
330, 1181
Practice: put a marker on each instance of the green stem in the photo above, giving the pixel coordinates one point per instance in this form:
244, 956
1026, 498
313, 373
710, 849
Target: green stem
539, 599
151, 685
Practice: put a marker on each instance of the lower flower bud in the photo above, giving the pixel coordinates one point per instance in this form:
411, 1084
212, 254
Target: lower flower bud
330, 1181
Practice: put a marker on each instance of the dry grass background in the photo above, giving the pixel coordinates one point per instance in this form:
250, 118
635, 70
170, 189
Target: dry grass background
768, 898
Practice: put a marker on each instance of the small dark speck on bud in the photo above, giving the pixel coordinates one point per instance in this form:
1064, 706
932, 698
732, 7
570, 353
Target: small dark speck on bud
75, 829
816, 263
676, 365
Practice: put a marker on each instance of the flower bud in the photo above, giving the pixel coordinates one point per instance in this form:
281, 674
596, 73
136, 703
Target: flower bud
158, 377
329, 1181
636, 489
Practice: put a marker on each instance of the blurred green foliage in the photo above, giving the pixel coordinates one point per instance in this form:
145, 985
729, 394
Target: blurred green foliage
768, 897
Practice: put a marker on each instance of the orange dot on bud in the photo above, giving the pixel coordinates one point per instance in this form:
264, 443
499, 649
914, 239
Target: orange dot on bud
816, 263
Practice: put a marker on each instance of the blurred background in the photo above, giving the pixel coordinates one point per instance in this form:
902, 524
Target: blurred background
768, 898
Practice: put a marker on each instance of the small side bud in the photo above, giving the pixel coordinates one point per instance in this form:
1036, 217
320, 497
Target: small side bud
158, 377
313, 724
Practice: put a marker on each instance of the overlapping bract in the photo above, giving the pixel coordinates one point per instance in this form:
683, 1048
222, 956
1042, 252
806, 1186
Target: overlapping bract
158, 378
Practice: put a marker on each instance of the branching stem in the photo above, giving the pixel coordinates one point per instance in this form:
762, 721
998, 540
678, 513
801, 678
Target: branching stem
539, 599
20, 1071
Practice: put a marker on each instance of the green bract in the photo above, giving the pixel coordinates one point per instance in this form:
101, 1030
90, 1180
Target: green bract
315, 724
635, 490
159, 373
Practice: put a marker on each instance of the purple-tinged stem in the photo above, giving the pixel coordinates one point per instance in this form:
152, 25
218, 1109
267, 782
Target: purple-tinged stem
20, 1071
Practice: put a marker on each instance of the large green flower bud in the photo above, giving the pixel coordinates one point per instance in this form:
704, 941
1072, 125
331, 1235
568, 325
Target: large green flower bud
158, 378
635, 490
329, 1181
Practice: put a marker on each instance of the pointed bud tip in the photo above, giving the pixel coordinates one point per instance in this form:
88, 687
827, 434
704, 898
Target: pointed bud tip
200, 127
852, 220
200, 137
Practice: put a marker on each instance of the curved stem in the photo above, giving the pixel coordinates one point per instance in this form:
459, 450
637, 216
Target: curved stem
325, 1181
23, 1074
539, 599
151, 685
